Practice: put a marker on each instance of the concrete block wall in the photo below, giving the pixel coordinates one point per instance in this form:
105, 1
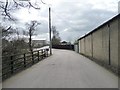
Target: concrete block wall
102, 43
114, 42
79, 47
76, 48
88, 46
97, 45
82, 46
105, 44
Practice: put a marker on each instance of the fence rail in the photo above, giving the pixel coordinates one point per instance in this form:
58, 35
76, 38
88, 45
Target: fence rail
15, 63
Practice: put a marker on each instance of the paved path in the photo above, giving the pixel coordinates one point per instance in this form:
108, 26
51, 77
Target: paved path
64, 69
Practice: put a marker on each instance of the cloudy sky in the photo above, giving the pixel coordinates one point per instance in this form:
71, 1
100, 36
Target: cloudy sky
72, 18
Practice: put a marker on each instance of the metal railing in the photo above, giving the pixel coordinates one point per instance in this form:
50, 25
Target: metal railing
15, 63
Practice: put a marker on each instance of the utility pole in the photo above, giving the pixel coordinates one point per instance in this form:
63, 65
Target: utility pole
50, 31
49, 27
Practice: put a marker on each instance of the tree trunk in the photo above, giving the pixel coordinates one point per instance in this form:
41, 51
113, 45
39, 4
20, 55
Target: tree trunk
30, 42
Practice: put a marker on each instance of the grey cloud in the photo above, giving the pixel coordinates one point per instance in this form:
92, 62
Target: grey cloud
80, 18
42, 28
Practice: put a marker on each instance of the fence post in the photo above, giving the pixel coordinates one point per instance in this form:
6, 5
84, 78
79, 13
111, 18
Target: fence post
32, 58
47, 52
38, 56
24, 60
12, 64
42, 53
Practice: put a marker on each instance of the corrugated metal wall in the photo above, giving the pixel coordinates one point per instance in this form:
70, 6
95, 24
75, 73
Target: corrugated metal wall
102, 44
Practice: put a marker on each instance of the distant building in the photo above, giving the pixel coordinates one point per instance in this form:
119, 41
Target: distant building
39, 42
64, 43
76, 47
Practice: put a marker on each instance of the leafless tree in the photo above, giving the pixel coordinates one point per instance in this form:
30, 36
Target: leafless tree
6, 7
6, 31
31, 32
56, 38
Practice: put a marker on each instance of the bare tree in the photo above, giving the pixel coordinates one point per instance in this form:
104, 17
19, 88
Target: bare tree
56, 38
6, 7
31, 30
11, 45
6, 31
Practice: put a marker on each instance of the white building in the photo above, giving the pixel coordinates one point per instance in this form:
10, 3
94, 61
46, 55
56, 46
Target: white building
39, 42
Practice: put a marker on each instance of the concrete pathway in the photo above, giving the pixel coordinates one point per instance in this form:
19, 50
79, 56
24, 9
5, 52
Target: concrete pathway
64, 69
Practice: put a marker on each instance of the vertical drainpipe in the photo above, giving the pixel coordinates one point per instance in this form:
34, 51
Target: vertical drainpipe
109, 44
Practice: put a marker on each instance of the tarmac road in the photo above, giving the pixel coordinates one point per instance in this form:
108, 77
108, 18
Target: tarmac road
64, 69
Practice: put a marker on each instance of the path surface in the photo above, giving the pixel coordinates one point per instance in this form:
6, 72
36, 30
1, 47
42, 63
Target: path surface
64, 69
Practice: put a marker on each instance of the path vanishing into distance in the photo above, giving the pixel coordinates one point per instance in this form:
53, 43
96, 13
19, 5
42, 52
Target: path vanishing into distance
64, 69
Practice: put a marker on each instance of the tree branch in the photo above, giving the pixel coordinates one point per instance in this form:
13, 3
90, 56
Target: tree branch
43, 2
33, 6
8, 7
5, 30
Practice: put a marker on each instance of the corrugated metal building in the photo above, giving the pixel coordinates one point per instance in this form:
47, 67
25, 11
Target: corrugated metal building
103, 42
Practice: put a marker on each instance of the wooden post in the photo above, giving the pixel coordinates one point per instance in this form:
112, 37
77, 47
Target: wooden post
32, 58
50, 31
12, 64
38, 56
42, 53
47, 52
24, 60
